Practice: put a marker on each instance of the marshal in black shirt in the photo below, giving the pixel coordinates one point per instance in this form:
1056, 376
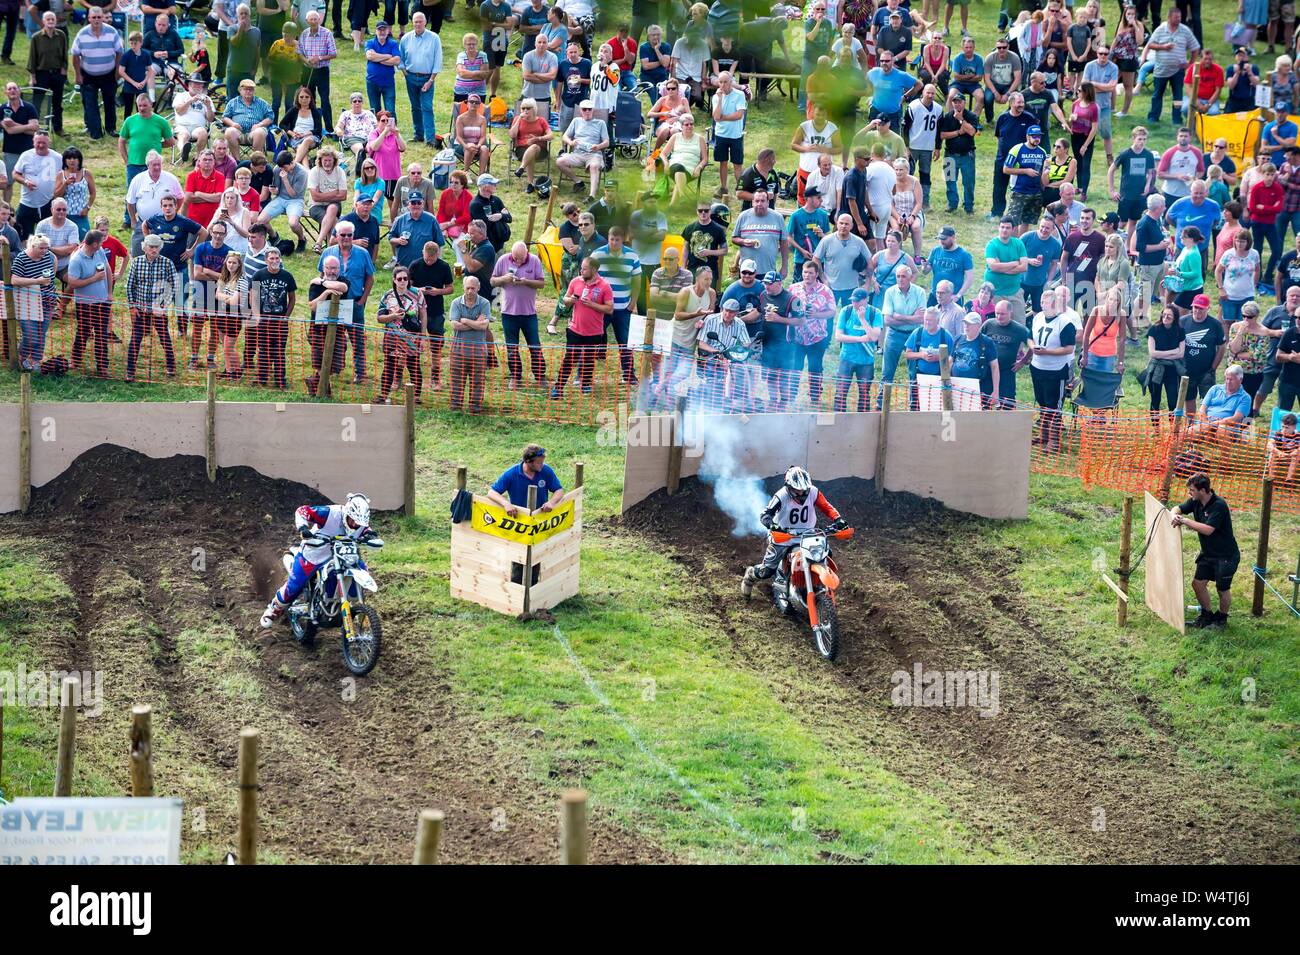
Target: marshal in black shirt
1220, 545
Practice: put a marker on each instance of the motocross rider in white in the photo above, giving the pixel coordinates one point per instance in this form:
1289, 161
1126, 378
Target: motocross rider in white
323, 520
792, 509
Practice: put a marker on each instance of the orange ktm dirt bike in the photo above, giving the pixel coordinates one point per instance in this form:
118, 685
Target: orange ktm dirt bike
806, 585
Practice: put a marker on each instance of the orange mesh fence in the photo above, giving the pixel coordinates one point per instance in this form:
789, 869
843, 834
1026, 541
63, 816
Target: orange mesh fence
1130, 451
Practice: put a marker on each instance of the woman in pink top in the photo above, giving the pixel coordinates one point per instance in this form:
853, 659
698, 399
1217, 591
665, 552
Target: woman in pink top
1228, 232
387, 146
1083, 133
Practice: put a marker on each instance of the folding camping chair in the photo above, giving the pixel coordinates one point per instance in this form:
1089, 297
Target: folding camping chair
472, 167
1095, 407
629, 126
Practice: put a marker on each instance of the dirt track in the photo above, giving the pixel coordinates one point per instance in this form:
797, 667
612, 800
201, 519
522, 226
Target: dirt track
923, 585
341, 781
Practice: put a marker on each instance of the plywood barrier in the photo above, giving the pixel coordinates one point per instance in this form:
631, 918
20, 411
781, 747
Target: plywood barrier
489, 570
973, 461
334, 448
1164, 566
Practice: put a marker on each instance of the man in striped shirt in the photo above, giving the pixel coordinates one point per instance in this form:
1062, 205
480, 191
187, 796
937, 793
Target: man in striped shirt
96, 52
151, 283
620, 267
317, 48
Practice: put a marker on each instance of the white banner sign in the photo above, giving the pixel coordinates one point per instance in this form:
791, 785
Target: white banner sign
90, 831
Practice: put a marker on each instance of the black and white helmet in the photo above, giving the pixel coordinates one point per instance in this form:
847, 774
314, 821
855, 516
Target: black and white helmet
720, 213
357, 510
798, 483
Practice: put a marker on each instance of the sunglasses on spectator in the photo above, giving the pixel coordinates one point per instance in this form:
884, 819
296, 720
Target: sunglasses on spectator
744, 272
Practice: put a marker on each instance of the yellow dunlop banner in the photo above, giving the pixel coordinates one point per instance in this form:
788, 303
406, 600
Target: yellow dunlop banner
522, 529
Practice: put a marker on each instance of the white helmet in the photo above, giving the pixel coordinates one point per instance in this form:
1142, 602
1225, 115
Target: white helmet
357, 509
798, 483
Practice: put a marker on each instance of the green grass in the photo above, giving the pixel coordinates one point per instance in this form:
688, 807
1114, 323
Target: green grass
708, 760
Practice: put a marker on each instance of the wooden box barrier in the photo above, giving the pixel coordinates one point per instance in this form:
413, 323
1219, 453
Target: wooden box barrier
489, 570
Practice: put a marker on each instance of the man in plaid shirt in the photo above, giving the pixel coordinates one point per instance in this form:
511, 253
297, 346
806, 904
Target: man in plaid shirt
1289, 175
317, 48
150, 288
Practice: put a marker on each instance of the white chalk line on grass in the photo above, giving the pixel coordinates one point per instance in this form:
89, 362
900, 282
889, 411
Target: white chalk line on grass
719, 812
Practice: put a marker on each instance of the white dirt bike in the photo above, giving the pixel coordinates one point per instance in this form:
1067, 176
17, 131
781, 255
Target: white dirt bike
324, 601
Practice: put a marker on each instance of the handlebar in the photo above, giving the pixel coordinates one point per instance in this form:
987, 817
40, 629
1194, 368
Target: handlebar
785, 537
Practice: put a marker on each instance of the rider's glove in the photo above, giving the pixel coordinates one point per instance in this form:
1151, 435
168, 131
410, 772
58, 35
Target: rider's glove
766, 520
306, 532
837, 525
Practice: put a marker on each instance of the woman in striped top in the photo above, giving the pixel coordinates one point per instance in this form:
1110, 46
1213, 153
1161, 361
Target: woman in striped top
35, 298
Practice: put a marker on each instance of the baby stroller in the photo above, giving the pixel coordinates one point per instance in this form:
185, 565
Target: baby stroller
629, 125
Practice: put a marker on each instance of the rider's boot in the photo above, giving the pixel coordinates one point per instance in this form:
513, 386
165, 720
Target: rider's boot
273, 612
778, 591
747, 582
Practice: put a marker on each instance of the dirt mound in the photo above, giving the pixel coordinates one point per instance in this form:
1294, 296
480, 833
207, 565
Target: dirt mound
692, 509
109, 485
1071, 767
169, 574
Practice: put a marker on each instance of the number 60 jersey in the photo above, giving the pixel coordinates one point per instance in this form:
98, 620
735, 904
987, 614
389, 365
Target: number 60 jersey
787, 514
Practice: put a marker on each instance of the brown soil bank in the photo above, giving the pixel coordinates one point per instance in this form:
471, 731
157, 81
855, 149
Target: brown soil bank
170, 574
1072, 766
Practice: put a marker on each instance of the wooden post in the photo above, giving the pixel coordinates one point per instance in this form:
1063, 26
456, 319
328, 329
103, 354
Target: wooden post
247, 854
327, 353
646, 350
1261, 555
462, 474
428, 837
578, 470
1192, 101
11, 325
532, 221
211, 446
1180, 416
945, 375
676, 448
886, 395
573, 827
141, 751
409, 483
550, 206
1125, 554
528, 554
25, 441
70, 689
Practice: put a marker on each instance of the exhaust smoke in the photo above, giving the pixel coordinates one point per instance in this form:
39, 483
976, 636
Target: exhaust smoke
737, 489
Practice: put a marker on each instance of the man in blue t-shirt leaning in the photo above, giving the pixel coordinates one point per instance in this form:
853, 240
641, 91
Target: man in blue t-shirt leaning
510, 490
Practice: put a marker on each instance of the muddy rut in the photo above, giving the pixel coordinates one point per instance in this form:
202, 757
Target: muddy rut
170, 574
1073, 767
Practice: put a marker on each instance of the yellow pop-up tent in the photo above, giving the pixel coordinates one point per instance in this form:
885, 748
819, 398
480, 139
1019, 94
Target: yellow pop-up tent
1240, 131
551, 252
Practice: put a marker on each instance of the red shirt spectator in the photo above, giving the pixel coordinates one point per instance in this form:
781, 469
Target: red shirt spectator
1212, 80
114, 250
1266, 201
586, 320
625, 51
215, 184
252, 199
454, 210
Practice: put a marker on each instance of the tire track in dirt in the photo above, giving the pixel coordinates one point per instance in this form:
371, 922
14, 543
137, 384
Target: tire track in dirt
341, 780
923, 586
